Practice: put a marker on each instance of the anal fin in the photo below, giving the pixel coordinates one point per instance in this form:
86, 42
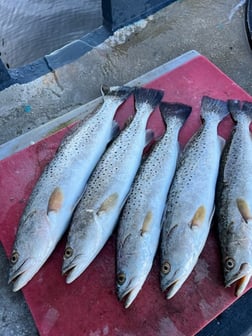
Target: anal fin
115, 130
222, 142
149, 136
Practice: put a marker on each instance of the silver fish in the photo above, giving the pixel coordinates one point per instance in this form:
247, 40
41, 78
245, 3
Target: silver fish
234, 200
190, 204
98, 211
59, 188
140, 222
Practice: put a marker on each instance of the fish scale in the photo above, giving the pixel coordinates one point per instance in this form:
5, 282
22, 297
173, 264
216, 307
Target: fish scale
55, 195
140, 222
190, 203
107, 189
234, 200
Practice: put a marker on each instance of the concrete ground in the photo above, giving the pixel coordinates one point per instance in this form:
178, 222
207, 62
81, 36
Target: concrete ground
213, 28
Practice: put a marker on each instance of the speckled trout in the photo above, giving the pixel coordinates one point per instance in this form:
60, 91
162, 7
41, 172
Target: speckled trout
140, 222
97, 213
234, 199
59, 188
190, 203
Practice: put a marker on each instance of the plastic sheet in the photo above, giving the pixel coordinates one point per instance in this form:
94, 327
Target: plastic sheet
89, 305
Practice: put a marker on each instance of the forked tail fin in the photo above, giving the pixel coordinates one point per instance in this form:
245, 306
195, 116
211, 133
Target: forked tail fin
122, 92
239, 109
174, 110
151, 97
213, 107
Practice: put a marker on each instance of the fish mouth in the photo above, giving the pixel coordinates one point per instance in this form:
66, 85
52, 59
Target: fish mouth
21, 276
172, 287
129, 295
241, 278
73, 269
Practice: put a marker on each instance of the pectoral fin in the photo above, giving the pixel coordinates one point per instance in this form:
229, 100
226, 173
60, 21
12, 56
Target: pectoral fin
108, 204
55, 201
146, 223
244, 209
198, 218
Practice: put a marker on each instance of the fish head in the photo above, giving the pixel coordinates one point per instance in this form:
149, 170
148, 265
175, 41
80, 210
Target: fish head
128, 285
177, 261
31, 249
81, 248
134, 262
173, 275
74, 262
237, 264
22, 269
237, 249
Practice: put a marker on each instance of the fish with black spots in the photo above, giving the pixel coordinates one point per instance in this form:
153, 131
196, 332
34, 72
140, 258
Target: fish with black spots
234, 200
140, 223
190, 202
59, 188
96, 215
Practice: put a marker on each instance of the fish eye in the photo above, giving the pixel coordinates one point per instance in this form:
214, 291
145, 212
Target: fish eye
121, 278
229, 264
166, 267
14, 257
68, 252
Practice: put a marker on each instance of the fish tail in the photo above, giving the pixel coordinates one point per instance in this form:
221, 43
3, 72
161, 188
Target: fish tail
240, 108
213, 107
151, 97
178, 110
122, 92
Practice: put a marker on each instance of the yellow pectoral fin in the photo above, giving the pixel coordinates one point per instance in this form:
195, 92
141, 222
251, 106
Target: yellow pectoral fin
146, 223
55, 200
199, 217
244, 209
108, 204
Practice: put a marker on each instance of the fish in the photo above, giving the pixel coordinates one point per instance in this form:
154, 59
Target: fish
60, 186
96, 215
140, 222
190, 203
234, 200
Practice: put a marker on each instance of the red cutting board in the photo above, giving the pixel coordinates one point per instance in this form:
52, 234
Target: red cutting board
89, 305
